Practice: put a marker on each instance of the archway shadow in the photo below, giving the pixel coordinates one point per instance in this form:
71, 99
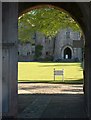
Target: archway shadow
51, 106
69, 81
36, 102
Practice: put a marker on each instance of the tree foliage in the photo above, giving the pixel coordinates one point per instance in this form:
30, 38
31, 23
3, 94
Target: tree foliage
47, 20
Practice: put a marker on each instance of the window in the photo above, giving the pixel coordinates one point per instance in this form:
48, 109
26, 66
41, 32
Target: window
28, 53
34, 37
33, 52
46, 53
68, 34
45, 39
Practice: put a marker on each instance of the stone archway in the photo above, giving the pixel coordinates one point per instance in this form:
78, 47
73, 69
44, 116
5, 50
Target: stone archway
67, 52
80, 11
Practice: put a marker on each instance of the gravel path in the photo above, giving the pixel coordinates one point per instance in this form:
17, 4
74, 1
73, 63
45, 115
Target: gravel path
47, 88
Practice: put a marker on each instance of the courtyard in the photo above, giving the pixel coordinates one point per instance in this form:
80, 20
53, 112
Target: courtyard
39, 96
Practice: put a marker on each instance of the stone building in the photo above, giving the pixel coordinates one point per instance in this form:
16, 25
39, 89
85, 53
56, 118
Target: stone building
59, 48
64, 48
26, 52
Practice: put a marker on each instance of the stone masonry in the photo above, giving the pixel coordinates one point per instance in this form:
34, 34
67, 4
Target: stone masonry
58, 48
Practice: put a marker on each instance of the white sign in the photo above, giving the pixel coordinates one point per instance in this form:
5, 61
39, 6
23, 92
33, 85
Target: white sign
59, 72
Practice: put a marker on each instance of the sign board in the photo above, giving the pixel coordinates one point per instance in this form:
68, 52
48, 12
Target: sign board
78, 43
59, 72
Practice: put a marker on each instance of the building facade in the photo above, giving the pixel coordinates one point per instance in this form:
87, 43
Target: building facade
60, 48
64, 48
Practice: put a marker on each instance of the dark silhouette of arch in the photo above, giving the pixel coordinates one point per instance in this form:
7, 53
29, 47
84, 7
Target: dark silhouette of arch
67, 53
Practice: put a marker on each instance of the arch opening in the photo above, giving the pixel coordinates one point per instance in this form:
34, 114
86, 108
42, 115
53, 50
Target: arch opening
67, 53
50, 45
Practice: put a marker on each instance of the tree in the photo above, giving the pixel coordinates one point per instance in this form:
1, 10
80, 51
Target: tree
47, 20
38, 51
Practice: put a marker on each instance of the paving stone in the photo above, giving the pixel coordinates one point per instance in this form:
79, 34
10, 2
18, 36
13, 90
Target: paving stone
50, 104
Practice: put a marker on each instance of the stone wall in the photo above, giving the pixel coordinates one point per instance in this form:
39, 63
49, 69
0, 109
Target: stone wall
53, 47
26, 52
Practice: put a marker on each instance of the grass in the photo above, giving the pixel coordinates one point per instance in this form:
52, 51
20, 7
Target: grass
43, 72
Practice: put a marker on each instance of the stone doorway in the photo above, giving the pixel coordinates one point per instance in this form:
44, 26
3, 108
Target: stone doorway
67, 53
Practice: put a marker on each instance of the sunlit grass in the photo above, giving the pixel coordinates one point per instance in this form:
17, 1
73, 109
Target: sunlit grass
43, 72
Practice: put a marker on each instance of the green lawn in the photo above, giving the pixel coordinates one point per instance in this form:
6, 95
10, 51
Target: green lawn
43, 72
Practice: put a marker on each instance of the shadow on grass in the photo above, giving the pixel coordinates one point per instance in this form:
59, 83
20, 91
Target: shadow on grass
57, 62
79, 81
57, 65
